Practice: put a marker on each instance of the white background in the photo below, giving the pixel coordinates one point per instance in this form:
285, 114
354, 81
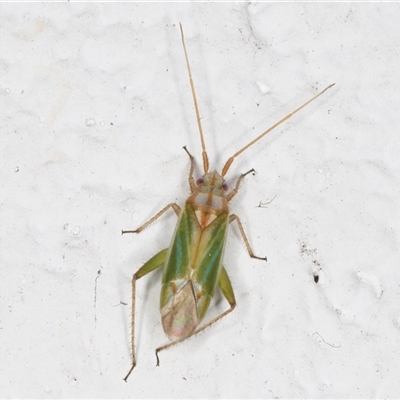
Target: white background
95, 107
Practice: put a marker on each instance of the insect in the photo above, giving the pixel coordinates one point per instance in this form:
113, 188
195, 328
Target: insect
192, 264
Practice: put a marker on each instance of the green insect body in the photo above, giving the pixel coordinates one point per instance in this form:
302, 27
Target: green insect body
192, 264
194, 259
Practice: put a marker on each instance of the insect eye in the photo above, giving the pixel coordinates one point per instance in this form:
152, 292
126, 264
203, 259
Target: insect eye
224, 186
200, 181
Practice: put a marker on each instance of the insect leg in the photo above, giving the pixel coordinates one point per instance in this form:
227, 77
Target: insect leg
155, 262
192, 184
234, 217
176, 208
234, 191
226, 288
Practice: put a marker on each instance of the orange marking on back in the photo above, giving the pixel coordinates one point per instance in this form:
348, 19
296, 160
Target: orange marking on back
199, 295
204, 218
174, 287
209, 201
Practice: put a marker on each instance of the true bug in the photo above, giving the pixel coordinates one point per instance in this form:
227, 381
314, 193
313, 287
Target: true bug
193, 262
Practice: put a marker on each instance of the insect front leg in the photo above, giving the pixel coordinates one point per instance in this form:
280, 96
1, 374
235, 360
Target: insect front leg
155, 262
234, 217
192, 183
234, 191
176, 208
225, 285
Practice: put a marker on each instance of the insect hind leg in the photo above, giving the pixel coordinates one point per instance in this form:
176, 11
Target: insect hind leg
155, 262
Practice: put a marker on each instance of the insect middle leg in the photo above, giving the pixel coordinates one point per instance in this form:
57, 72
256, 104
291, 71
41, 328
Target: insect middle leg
155, 262
176, 208
225, 285
234, 217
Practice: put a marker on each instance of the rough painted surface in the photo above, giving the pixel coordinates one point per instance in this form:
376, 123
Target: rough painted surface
95, 108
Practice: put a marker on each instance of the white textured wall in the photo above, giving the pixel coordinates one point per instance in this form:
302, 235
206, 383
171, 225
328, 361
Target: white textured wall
94, 110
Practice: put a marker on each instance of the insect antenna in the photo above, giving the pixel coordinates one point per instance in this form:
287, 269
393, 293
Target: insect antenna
203, 145
230, 159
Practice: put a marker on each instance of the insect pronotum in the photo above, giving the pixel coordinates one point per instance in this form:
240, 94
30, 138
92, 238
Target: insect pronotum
193, 262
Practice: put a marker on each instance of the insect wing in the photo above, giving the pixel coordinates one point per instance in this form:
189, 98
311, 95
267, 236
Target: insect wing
191, 272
